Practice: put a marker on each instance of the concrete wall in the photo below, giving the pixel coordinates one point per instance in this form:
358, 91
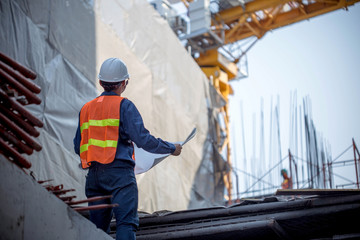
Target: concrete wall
29, 211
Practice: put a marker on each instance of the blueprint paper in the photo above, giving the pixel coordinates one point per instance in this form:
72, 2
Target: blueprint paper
146, 160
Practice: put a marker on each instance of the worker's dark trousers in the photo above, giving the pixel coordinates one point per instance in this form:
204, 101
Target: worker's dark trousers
116, 179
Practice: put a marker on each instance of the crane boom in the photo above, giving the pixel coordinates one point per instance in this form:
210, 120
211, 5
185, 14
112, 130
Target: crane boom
257, 17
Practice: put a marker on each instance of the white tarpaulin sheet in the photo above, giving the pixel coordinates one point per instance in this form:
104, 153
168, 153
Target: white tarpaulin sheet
65, 42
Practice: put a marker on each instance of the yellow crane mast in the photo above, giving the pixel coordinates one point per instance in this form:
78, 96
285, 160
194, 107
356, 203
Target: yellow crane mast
231, 24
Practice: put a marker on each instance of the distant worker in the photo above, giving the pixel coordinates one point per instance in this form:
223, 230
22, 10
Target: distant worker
108, 126
287, 182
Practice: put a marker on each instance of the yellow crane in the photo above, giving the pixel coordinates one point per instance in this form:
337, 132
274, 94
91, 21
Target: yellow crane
235, 22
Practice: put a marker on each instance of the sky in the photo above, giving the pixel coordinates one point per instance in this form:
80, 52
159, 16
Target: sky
317, 58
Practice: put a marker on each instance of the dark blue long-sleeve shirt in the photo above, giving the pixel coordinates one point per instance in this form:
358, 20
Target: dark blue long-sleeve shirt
131, 129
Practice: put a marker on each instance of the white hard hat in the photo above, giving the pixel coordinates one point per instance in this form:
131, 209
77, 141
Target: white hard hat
113, 70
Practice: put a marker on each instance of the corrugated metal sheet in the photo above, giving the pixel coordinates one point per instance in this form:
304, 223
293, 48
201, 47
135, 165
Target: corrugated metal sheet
311, 215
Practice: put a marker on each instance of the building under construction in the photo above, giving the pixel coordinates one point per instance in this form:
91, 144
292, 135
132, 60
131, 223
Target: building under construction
50, 54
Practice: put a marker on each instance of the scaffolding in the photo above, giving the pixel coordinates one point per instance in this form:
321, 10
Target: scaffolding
309, 159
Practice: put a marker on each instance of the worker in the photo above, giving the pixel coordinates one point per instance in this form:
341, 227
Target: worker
287, 182
108, 127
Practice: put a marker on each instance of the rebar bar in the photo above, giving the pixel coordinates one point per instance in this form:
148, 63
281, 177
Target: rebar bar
19, 132
24, 81
20, 109
356, 168
62, 191
95, 207
67, 198
14, 154
31, 97
21, 147
53, 188
20, 121
93, 199
19, 67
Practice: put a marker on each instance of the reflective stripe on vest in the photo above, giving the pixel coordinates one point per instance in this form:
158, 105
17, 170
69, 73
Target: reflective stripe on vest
99, 127
100, 123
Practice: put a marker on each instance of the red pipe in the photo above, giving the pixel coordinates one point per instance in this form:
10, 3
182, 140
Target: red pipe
60, 192
93, 199
44, 181
19, 121
20, 133
24, 81
19, 108
22, 148
14, 154
53, 188
68, 198
95, 207
16, 65
31, 97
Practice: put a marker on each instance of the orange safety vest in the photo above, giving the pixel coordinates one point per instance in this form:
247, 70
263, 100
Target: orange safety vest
99, 127
287, 183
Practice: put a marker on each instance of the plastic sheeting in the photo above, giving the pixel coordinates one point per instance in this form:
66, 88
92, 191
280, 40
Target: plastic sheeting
213, 166
26, 40
65, 42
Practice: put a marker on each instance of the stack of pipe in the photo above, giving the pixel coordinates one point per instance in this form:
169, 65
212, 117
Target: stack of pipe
17, 125
60, 192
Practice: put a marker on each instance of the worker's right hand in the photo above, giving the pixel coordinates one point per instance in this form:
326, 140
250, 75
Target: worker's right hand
177, 150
